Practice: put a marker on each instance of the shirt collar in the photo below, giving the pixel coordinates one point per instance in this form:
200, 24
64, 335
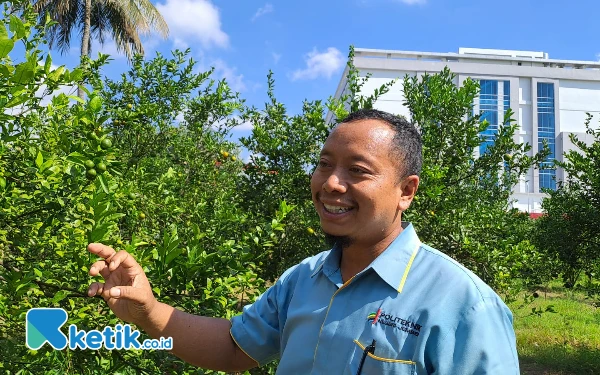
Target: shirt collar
392, 266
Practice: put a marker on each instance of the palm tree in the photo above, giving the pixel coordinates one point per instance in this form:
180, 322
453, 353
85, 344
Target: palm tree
126, 20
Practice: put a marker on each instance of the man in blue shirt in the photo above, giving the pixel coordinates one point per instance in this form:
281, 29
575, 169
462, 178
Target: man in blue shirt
378, 302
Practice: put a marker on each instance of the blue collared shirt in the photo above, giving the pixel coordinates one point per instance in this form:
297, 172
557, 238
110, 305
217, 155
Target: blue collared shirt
427, 313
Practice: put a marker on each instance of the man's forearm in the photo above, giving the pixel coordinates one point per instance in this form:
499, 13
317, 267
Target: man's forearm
199, 340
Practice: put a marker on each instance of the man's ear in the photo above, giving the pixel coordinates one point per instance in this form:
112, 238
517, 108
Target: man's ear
408, 188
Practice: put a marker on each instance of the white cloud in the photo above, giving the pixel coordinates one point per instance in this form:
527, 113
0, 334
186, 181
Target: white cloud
268, 8
235, 80
241, 126
413, 2
246, 125
194, 21
46, 99
320, 64
276, 57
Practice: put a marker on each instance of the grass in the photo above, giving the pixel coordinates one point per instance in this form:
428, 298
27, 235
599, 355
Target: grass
561, 343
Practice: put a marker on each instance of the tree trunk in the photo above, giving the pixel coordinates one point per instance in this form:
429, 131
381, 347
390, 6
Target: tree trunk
85, 39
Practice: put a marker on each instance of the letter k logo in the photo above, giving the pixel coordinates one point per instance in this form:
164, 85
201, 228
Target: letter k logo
43, 325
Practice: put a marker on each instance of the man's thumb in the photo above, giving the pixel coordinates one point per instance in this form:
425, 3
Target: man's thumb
127, 292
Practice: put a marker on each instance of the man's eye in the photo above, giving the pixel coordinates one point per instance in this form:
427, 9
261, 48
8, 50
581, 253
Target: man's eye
357, 170
322, 164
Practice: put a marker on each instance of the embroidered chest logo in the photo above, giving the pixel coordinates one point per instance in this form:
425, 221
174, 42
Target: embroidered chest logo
393, 321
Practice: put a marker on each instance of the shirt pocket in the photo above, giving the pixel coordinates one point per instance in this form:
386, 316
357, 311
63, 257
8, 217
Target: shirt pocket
379, 365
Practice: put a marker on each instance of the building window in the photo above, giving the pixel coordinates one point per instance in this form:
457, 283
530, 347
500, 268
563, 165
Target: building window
546, 132
494, 101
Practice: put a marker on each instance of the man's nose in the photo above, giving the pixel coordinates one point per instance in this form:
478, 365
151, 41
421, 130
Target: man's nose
334, 182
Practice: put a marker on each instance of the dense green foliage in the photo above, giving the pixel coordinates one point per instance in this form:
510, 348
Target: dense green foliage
145, 164
569, 232
119, 169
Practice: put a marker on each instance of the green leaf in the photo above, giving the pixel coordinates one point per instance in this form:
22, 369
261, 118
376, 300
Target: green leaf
23, 73
95, 104
17, 27
173, 254
20, 286
17, 100
59, 296
76, 98
2, 183
103, 183
39, 159
37, 272
56, 73
4, 70
76, 75
6, 45
99, 232
113, 217
47, 164
3, 32
48, 64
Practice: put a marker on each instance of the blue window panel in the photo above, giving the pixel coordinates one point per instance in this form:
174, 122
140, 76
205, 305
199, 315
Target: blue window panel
547, 132
548, 179
506, 96
491, 111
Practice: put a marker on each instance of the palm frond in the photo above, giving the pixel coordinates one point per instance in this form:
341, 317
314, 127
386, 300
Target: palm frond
123, 20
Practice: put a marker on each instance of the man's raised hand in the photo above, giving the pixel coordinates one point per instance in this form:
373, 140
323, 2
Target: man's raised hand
126, 289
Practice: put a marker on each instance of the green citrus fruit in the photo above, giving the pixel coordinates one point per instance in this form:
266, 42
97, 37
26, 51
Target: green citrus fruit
132, 196
310, 230
91, 173
101, 167
89, 164
142, 215
106, 144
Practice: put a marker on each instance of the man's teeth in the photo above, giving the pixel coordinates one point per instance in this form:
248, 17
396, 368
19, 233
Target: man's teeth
336, 209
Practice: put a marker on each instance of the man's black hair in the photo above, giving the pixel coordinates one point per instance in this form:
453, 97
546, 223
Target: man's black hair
407, 144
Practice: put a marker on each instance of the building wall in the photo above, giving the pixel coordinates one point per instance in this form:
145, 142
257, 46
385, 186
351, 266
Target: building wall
525, 133
393, 99
577, 98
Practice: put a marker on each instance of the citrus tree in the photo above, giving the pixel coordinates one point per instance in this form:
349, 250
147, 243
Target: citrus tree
568, 231
142, 165
283, 151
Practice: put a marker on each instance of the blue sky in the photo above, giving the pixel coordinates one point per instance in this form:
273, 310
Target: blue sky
306, 42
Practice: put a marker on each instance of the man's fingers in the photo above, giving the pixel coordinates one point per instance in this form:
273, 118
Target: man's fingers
95, 289
101, 250
122, 258
129, 293
100, 267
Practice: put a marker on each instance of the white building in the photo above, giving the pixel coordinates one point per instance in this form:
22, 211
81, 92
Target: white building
550, 98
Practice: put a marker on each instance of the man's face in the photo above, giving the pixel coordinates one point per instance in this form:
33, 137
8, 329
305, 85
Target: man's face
356, 187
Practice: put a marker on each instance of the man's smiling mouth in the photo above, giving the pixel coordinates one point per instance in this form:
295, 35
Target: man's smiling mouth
336, 209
